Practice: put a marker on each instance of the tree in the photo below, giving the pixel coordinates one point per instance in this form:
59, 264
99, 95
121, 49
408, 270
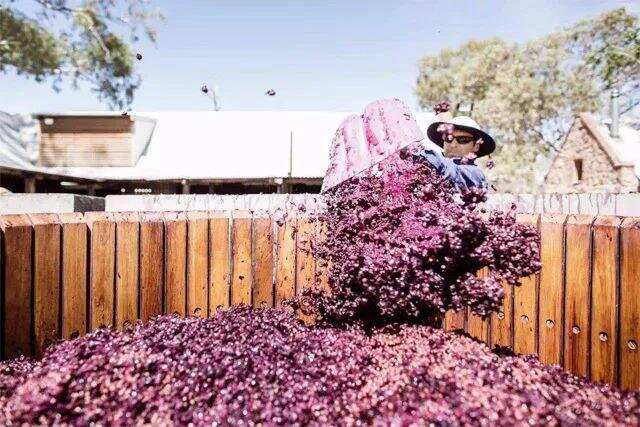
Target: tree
527, 94
90, 42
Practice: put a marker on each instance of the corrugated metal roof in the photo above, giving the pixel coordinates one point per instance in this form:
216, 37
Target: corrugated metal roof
228, 145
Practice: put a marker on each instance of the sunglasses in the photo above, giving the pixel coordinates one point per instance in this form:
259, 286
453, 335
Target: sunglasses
464, 139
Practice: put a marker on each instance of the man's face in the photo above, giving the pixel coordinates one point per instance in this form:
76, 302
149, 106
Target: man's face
463, 143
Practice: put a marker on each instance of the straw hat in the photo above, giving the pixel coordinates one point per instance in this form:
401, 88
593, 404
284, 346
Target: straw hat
463, 123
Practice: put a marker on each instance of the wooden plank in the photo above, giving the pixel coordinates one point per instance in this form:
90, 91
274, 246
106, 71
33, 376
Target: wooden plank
551, 309
17, 262
198, 264
262, 261
322, 266
604, 312
455, 320
305, 266
577, 294
102, 237
242, 278
286, 260
525, 305
74, 275
478, 327
175, 263
46, 280
502, 321
219, 261
630, 304
151, 265
127, 268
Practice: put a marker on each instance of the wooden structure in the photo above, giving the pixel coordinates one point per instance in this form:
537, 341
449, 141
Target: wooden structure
64, 275
87, 141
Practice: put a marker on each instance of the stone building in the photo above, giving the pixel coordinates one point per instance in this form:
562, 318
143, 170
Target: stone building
596, 157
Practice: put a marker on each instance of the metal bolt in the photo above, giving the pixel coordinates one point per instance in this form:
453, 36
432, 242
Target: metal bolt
500, 315
524, 318
603, 336
633, 346
550, 323
575, 330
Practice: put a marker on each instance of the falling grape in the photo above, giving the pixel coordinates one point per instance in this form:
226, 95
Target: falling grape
270, 92
139, 56
204, 89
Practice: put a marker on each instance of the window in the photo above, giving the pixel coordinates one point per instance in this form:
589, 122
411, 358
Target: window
578, 165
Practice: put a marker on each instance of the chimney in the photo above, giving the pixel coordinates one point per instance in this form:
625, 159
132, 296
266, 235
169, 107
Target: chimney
614, 130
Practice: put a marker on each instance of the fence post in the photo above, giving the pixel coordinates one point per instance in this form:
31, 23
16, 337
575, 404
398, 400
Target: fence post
197, 264
74, 275
151, 265
241, 271
263, 243
102, 230
175, 262
630, 304
127, 268
525, 305
219, 261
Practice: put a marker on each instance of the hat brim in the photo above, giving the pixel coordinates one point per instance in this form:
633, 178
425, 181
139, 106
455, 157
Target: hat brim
488, 143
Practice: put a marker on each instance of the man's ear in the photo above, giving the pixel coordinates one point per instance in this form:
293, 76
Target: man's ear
477, 145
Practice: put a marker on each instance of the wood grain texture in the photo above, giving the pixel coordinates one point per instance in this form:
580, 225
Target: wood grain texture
102, 238
198, 264
263, 262
551, 309
604, 312
219, 261
286, 261
502, 321
305, 265
525, 305
46, 280
578, 294
17, 238
127, 268
322, 266
74, 286
630, 304
175, 263
242, 276
151, 265
454, 320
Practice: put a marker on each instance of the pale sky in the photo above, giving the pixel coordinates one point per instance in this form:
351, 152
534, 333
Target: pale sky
316, 55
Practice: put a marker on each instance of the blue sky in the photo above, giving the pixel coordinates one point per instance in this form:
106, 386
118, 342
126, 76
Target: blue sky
316, 55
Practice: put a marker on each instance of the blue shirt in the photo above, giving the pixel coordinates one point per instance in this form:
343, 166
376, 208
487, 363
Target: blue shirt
463, 176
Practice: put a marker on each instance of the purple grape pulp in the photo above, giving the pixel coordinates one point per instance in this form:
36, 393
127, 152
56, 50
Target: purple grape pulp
401, 245
249, 367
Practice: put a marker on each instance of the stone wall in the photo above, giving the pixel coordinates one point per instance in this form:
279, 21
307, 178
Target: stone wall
598, 173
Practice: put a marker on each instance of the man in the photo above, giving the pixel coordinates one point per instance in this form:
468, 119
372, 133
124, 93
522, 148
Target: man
462, 141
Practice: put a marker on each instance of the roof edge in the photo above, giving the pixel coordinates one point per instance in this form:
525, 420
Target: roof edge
604, 140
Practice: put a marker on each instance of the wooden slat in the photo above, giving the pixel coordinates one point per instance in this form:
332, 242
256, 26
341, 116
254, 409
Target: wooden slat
219, 261
286, 261
74, 275
478, 327
525, 305
454, 320
88, 124
577, 294
242, 277
175, 263
551, 310
102, 231
17, 262
151, 265
305, 266
262, 261
46, 279
630, 304
322, 266
604, 313
502, 321
127, 268
198, 264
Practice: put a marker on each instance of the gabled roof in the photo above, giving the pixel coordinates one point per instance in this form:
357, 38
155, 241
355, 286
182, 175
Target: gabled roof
623, 151
226, 145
